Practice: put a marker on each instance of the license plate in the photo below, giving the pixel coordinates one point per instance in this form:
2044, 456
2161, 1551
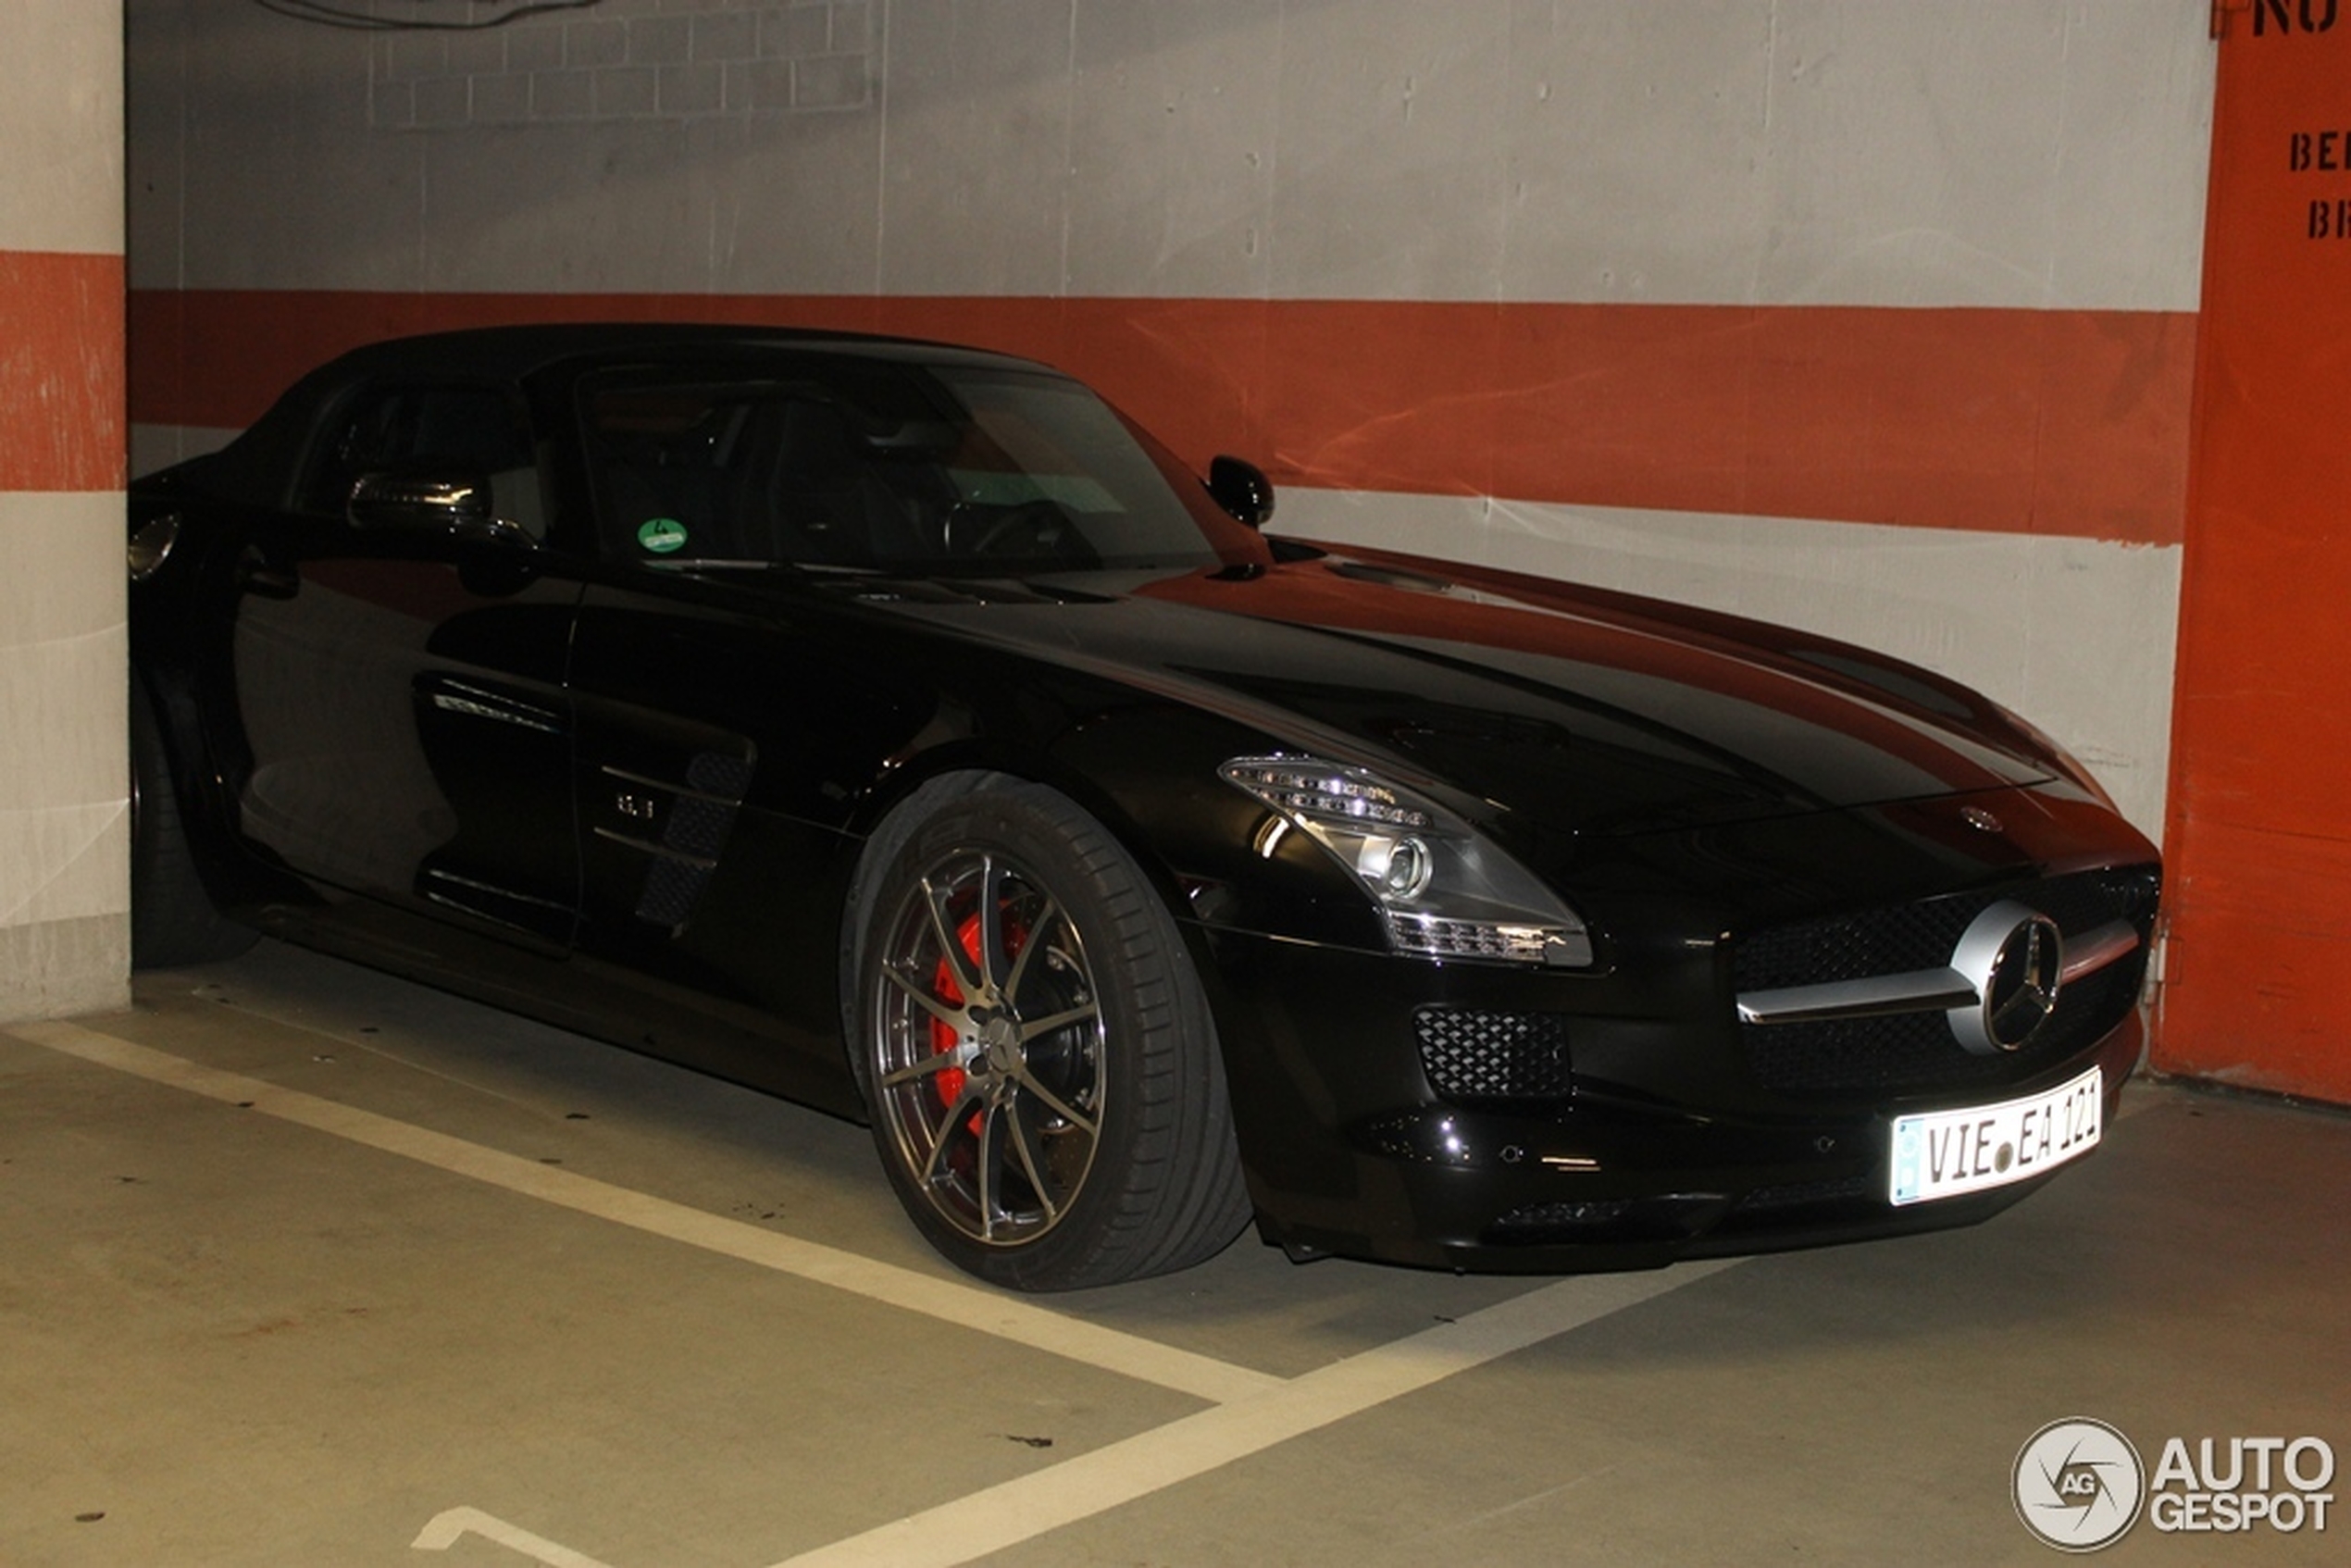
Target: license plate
1944, 1154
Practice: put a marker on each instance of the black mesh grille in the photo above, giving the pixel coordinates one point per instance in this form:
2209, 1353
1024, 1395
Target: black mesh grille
1810, 1194
696, 830
1473, 1056
1916, 1050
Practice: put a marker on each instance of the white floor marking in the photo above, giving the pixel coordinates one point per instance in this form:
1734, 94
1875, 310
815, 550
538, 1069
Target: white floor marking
1004, 1515
965, 1306
448, 1526
1249, 1411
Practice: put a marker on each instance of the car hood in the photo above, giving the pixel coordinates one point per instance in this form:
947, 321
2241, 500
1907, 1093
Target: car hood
1585, 711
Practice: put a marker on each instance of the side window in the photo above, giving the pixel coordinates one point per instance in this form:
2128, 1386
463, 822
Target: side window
666, 461
748, 470
426, 429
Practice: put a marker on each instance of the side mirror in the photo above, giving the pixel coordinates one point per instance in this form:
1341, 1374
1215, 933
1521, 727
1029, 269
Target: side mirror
1241, 488
456, 506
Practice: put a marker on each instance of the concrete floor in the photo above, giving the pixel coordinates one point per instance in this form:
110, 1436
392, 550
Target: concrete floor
305, 1265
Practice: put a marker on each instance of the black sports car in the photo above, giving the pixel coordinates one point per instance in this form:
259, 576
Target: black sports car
897, 727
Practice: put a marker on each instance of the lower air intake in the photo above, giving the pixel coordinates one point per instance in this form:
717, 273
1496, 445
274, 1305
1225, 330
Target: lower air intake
1473, 1056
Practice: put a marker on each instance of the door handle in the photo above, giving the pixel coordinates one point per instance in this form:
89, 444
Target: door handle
257, 575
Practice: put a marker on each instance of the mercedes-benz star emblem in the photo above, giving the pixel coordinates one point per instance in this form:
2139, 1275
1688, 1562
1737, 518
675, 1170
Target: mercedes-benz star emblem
2015, 958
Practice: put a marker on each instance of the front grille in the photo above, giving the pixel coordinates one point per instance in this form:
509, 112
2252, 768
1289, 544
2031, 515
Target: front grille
1473, 1056
1916, 1050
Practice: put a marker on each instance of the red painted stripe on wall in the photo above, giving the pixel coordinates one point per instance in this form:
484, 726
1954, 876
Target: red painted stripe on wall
61, 371
2068, 423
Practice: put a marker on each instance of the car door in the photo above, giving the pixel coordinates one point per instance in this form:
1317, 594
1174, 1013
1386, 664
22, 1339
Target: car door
729, 713
400, 685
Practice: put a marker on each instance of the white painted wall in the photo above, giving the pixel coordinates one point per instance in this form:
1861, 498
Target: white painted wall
1854, 151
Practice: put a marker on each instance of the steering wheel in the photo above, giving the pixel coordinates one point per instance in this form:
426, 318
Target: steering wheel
1042, 524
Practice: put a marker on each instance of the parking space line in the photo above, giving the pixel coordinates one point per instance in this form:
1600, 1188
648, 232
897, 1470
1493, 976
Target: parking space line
978, 1523
965, 1306
447, 1529
1249, 1411
1004, 1515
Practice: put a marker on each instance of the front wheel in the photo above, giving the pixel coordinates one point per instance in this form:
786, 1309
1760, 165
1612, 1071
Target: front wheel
1040, 1065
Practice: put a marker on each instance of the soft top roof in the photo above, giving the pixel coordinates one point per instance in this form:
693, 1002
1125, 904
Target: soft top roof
263, 461
519, 350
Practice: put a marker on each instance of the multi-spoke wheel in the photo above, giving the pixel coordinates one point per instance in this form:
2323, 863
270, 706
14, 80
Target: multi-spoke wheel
1041, 1067
988, 1047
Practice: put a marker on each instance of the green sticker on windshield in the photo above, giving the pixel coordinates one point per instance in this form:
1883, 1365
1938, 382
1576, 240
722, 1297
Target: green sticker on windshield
661, 535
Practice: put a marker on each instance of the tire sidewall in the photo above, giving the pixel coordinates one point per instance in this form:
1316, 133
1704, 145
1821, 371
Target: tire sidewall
173, 918
1109, 903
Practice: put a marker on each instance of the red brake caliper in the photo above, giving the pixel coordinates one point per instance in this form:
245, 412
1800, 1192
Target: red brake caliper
950, 1080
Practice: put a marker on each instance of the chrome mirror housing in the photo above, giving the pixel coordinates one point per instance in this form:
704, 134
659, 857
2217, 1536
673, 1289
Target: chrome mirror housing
455, 504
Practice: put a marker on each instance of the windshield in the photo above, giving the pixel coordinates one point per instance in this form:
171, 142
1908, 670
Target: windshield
831, 461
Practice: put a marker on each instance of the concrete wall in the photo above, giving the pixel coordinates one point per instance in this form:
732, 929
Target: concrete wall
1875, 317
64, 863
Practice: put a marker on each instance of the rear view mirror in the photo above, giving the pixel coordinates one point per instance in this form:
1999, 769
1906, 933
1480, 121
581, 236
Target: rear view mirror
1241, 488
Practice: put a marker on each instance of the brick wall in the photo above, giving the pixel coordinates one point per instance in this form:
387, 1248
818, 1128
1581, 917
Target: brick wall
628, 60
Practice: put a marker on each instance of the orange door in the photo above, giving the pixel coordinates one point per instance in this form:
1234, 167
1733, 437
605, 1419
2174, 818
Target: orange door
2259, 986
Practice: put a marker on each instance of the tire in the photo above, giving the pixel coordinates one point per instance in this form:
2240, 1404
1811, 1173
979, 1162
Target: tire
1043, 1073
173, 919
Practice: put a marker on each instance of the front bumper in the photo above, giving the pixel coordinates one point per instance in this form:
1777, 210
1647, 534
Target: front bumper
1658, 1144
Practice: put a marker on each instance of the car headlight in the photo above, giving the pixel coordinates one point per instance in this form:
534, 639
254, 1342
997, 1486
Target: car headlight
1444, 892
